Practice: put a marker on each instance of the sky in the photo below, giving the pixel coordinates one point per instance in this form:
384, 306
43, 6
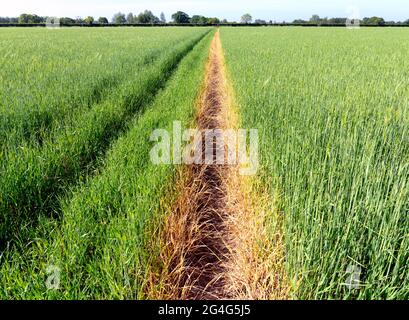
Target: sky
275, 10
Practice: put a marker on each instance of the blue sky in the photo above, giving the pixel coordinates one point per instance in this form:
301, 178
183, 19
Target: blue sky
277, 10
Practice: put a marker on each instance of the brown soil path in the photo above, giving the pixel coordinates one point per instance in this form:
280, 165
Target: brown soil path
211, 240
201, 211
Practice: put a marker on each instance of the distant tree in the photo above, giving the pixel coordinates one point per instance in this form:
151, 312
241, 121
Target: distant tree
162, 17
180, 17
119, 18
224, 21
89, 20
315, 19
147, 17
379, 21
196, 19
337, 21
374, 21
259, 21
406, 22
246, 18
103, 20
324, 21
8, 20
38, 19
30, 18
23, 18
66, 20
213, 21
299, 21
130, 18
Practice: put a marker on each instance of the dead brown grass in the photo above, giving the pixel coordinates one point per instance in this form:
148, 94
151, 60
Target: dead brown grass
218, 241
256, 263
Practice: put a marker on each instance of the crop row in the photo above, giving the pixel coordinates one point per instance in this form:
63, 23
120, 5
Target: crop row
33, 177
50, 76
101, 245
332, 110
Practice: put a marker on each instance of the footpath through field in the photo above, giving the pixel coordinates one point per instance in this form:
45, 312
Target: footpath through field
214, 243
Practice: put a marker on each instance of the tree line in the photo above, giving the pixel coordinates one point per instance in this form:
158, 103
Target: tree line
145, 17
369, 21
182, 18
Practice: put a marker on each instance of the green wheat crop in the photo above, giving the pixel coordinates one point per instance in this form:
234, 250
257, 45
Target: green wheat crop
332, 107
